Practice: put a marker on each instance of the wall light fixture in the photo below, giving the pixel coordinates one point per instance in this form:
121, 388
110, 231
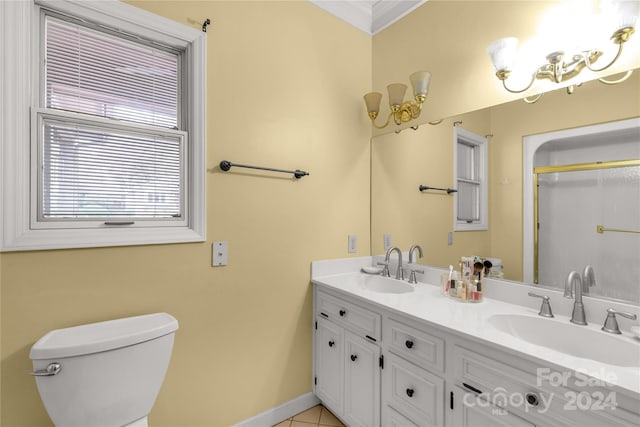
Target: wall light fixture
400, 110
562, 63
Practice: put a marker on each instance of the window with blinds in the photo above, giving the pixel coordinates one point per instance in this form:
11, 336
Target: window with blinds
110, 147
107, 140
471, 199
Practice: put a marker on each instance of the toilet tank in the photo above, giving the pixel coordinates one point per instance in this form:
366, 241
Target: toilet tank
110, 372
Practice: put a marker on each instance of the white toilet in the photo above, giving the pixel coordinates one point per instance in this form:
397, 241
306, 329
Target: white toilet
105, 374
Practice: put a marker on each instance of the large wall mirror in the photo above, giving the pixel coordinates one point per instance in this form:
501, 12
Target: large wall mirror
402, 162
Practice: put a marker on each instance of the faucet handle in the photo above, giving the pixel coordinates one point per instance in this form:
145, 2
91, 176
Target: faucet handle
412, 276
385, 269
545, 308
611, 323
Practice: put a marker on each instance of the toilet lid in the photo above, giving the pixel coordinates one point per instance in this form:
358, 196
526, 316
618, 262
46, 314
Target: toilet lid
102, 336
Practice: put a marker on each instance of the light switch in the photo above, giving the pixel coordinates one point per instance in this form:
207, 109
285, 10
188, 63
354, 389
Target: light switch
353, 243
220, 252
387, 241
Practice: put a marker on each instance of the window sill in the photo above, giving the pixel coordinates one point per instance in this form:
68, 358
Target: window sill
67, 239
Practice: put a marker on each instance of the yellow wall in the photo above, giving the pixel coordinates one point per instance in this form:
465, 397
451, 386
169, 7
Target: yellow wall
400, 163
284, 87
449, 38
285, 81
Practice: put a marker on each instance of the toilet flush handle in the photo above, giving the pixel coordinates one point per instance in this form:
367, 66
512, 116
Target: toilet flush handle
51, 370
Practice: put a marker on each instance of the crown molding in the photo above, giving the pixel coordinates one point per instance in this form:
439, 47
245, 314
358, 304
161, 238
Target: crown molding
370, 16
386, 13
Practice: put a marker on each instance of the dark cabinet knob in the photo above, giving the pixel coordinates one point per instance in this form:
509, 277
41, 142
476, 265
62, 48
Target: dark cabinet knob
408, 343
342, 313
532, 399
354, 357
332, 343
410, 392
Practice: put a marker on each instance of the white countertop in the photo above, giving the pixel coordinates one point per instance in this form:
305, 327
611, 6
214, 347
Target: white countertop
471, 320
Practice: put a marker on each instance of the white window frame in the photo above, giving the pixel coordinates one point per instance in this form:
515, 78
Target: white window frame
19, 99
469, 138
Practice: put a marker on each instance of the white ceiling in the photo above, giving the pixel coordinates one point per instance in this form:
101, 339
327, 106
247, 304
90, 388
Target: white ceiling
370, 16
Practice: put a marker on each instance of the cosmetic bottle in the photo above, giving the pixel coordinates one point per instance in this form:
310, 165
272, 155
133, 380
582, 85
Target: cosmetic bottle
462, 290
477, 295
453, 292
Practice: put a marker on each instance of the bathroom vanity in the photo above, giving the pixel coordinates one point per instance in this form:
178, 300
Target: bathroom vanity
385, 355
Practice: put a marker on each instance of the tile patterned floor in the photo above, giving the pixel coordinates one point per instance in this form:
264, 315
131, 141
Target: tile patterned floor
316, 416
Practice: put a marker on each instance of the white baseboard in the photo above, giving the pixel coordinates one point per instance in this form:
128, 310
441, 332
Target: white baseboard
280, 413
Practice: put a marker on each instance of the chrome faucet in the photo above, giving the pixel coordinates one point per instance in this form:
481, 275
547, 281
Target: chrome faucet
412, 275
399, 271
574, 284
588, 279
412, 249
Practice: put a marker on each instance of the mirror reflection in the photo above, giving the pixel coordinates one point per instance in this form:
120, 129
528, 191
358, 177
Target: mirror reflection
405, 215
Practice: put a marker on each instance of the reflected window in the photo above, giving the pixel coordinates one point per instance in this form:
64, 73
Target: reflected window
470, 170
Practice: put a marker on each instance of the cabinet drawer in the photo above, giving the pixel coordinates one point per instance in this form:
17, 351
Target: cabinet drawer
392, 418
473, 412
353, 317
506, 386
415, 345
413, 392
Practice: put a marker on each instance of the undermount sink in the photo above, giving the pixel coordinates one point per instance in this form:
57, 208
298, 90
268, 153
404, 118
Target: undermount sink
578, 341
386, 285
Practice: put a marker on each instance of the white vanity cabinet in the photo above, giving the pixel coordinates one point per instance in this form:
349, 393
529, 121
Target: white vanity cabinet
375, 365
347, 360
496, 388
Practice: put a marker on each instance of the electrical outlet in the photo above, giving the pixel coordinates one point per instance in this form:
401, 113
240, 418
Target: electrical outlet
450, 238
387, 241
353, 243
220, 251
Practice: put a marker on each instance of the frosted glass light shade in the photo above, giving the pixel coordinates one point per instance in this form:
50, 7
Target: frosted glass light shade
372, 100
420, 82
622, 13
503, 53
396, 93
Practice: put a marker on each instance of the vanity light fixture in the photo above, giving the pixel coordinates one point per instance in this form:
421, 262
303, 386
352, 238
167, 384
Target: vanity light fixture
400, 110
562, 65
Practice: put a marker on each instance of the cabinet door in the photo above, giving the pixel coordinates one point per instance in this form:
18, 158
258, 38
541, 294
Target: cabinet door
362, 382
469, 411
329, 361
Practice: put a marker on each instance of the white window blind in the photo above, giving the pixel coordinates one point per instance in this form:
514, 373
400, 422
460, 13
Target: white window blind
101, 171
93, 173
97, 73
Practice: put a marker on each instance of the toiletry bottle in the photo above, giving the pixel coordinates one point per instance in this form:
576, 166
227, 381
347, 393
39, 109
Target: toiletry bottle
462, 290
452, 288
473, 295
